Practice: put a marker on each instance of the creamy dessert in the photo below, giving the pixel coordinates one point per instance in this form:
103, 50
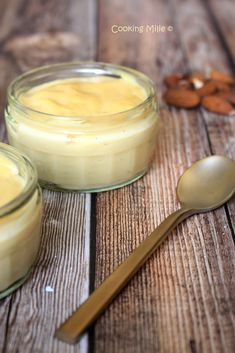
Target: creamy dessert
92, 132
11, 183
20, 219
90, 96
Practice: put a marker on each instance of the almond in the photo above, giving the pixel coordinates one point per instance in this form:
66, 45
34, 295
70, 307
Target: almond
217, 104
220, 76
221, 86
228, 95
182, 98
173, 80
208, 88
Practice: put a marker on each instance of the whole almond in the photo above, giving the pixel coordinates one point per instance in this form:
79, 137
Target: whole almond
228, 95
173, 80
217, 104
220, 76
208, 88
182, 98
220, 85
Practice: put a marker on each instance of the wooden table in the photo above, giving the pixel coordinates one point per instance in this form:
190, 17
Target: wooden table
183, 299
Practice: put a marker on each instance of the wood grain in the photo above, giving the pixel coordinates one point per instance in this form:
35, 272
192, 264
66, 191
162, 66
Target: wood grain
222, 15
182, 300
36, 33
223, 19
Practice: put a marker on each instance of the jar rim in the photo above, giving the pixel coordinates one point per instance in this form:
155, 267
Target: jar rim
15, 156
79, 64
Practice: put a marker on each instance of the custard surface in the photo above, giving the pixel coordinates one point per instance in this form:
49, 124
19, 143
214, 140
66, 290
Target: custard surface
88, 96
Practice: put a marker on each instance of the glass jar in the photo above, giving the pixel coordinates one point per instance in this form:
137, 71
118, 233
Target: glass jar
84, 153
20, 223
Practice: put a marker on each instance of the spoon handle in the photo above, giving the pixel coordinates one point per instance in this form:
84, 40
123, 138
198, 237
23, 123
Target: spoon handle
89, 311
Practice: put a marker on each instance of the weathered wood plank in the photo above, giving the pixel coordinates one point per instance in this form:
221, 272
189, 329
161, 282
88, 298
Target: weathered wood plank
41, 33
182, 300
223, 18
8, 72
220, 129
77, 19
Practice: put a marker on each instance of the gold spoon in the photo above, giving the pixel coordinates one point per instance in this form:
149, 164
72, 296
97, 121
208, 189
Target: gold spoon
206, 185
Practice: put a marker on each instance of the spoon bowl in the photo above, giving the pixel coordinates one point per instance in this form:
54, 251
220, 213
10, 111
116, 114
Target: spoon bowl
207, 184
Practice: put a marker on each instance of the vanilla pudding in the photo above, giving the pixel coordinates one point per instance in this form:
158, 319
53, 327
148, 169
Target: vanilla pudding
11, 183
87, 126
20, 218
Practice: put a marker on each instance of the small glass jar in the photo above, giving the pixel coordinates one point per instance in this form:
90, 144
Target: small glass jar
84, 153
20, 223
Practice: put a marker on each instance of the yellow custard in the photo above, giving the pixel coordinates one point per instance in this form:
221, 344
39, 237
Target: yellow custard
11, 184
92, 132
84, 97
20, 218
